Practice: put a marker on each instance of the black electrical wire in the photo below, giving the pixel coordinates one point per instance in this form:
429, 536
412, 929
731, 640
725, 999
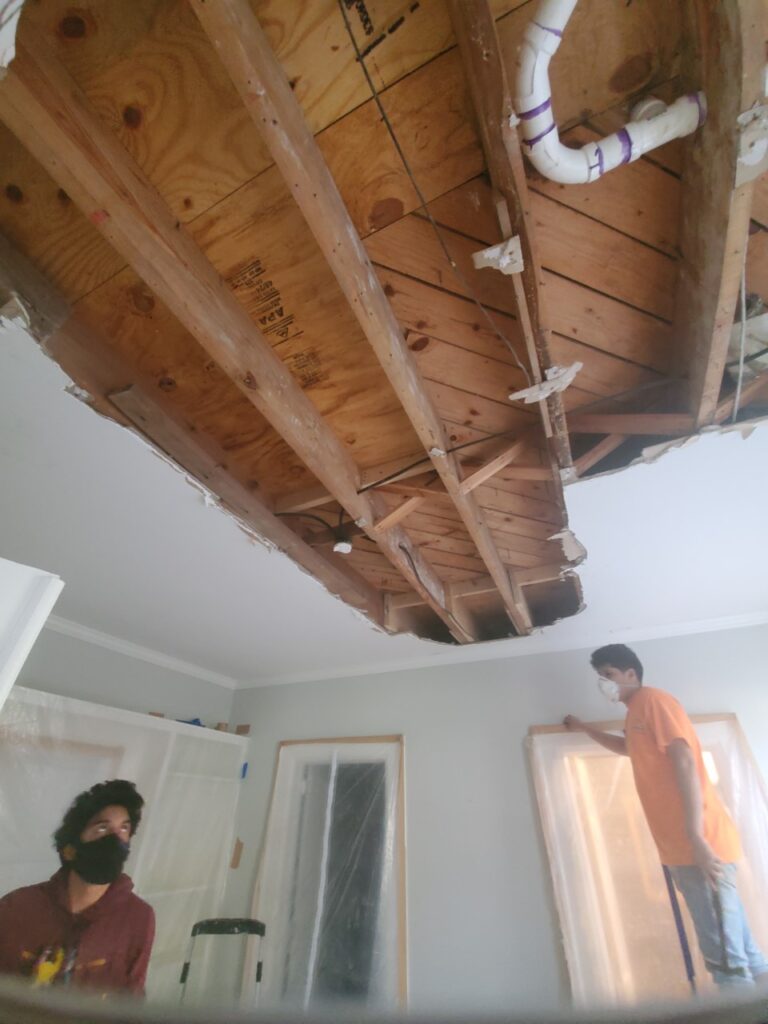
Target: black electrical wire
748, 359
648, 386
306, 515
415, 571
424, 205
427, 458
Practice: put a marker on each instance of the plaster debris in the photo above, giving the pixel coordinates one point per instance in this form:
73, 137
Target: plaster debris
558, 378
506, 257
436, 453
573, 549
654, 452
14, 314
79, 393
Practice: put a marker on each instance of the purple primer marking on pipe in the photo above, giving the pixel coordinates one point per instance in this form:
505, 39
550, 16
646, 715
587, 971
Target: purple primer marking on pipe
545, 28
626, 145
539, 137
694, 98
528, 114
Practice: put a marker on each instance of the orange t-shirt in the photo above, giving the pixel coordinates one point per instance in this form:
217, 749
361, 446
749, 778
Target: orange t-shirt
654, 720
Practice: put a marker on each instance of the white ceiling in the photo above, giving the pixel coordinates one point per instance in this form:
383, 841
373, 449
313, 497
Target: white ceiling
675, 546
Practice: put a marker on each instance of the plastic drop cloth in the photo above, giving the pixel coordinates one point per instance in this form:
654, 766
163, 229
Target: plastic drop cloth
52, 748
619, 937
329, 887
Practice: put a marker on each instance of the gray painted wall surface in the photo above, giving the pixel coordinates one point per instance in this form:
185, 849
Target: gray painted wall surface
482, 928
73, 668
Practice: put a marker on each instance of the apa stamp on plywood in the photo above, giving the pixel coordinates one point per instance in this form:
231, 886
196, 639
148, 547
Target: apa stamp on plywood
265, 301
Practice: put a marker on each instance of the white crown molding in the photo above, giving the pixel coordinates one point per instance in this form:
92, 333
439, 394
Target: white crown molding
543, 642
114, 643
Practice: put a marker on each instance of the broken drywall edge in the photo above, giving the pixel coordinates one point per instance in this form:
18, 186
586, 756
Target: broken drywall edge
654, 452
557, 379
573, 549
507, 257
210, 499
14, 313
79, 393
745, 428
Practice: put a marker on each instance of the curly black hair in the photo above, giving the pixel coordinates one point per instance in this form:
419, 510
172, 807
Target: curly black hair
118, 792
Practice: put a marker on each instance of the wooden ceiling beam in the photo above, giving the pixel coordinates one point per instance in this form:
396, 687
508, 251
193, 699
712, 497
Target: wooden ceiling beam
598, 452
397, 515
259, 78
664, 424
726, 59
483, 585
47, 111
44, 309
174, 438
84, 356
315, 497
475, 30
491, 467
751, 391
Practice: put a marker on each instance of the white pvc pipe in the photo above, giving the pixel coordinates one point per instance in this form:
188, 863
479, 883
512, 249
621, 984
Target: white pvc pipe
652, 125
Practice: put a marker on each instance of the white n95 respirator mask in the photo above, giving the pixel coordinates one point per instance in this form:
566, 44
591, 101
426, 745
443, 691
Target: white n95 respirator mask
609, 689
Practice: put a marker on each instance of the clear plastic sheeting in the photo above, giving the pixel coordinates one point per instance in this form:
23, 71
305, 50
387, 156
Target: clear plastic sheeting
52, 748
619, 935
330, 887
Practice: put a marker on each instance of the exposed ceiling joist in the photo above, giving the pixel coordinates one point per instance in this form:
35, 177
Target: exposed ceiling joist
475, 31
483, 585
261, 81
396, 515
142, 408
726, 59
753, 391
76, 347
598, 452
48, 112
44, 310
491, 467
651, 423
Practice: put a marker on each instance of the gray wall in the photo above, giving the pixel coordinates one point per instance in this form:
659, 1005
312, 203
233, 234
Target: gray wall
74, 668
482, 929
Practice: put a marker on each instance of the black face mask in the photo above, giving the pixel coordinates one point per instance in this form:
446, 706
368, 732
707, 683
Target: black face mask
101, 861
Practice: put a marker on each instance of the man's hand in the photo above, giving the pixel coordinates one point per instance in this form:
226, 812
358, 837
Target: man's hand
707, 860
573, 724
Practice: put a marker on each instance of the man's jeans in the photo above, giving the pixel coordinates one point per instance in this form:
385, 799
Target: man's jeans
741, 961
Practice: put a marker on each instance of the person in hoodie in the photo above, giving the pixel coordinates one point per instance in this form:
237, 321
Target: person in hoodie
85, 926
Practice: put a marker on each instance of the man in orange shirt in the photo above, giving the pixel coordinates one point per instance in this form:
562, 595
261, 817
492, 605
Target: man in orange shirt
694, 834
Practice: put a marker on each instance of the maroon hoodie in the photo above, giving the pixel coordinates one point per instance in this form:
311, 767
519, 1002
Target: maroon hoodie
105, 947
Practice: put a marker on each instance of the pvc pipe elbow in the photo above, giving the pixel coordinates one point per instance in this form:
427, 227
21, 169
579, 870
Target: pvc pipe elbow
541, 141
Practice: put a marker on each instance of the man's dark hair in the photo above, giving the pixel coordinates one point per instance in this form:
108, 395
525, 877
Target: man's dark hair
617, 656
118, 792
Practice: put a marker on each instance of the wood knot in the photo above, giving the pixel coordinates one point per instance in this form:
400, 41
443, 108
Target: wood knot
73, 26
143, 301
166, 384
132, 117
250, 381
14, 193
